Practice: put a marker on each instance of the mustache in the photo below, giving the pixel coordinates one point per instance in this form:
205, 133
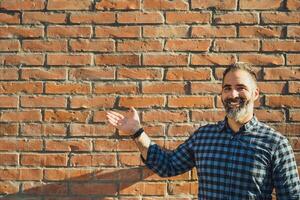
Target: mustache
239, 100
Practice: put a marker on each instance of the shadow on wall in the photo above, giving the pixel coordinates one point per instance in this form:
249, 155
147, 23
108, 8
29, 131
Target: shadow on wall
65, 184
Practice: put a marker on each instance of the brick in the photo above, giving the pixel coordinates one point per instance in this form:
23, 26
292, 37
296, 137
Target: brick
68, 145
105, 145
9, 188
93, 189
9, 129
280, 17
236, 18
223, 45
20, 144
208, 115
270, 115
163, 88
43, 102
21, 174
43, 74
142, 102
92, 74
21, 116
24, 59
22, 5
92, 45
8, 159
139, 74
65, 116
10, 18
165, 59
89, 130
9, 45
280, 46
183, 188
293, 59
293, 31
118, 32
262, 59
191, 102
92, 102
187, 45
164, 116
67, 88
69, 59
294, 116
38, 188
165, 31
21, 87
188, 74
272, 87
129, 159
213, 31
8, 102
287, 129
213, 59
44, 160
260, 5
69, 4
283, 101
118, 5
293, 4
180, 130
187, 17
44, 45
218, 4
127, 145
21, 32
34, 129
44, 17
139, 45
281, 73
69, 31
140, 18
165, 5
9, 74
123, 59
260, 31
93, 160
115, 88
67, 174
93, 18
204, 88
294, 87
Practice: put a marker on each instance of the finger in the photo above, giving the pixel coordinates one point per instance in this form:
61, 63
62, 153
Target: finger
116, 114
113, 116
113, 120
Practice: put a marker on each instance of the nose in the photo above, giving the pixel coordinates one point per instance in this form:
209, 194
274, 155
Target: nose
234, 93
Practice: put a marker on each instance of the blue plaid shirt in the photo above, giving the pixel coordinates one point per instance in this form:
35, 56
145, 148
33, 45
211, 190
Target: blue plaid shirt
233, 166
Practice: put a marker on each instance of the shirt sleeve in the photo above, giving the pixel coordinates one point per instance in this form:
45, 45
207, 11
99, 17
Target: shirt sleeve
171, 163
285, 173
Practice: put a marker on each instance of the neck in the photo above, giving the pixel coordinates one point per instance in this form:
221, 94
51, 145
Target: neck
235, 125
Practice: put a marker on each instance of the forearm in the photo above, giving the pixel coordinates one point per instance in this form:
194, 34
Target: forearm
143, 143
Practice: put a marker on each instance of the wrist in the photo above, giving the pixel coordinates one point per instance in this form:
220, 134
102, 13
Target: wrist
137, 133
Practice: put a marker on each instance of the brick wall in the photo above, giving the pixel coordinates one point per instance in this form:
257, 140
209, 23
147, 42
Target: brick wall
64, 62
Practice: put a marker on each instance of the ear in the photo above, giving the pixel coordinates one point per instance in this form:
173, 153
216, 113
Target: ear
256, 93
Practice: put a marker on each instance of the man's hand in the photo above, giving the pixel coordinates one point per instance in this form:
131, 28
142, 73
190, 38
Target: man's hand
127, 125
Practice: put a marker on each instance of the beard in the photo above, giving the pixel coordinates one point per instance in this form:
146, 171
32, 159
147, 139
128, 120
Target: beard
237, 108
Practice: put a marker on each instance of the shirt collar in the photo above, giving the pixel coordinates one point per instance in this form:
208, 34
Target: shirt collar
222, 125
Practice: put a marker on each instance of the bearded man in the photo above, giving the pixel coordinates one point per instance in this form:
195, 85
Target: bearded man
239, 158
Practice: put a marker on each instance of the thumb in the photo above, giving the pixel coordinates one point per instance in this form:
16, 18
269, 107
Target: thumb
132, 109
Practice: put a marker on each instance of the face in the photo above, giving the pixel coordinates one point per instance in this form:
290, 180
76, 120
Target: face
239, 92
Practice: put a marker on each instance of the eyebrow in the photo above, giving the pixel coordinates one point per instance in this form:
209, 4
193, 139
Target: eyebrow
239, 85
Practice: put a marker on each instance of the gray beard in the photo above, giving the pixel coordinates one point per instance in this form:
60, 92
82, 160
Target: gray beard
239, 113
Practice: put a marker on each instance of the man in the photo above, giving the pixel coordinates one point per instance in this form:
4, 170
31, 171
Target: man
238, 158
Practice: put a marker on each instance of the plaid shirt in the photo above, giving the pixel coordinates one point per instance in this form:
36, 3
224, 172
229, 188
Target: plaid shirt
233, 166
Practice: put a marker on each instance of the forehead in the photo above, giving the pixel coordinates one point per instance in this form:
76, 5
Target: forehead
238, 77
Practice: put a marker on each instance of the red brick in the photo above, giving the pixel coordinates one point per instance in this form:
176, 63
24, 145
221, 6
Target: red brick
129, 159
44, 160
115, 88
139, 45
270, 115
9, 129
93, 18
213, 31
163, 88
67, 174
19, 31
21, 87
165, 59
34, 129
281, 73
8, 102
129, 59
287, 129
10, 18
9, 187
262, 59
69, 31
38, 188
293, 59
93, 189
165, 5
187, 45
42, 74
92, 102
181, 130
44, 45
9, 45
187, 17
191, 102
127, 145
22, 5
236, 18
213, 59
164, 116
68, 145
188, 74
65, 116
105, 145
69, 59
93, 160
92, 74
44, 17
180, 188
7, 144
208, 115
272, 87
280, 17
283, 101
67, 88
293, 4
43, 102
118, 5
236, 45
217, 4
260, 5
260, 31
69, 4
142, 102
90, 130
9, 74
21, 174
139, 74
293, 31
281, 45
8, 159
204, 88
92, 45
24, 59
165, 31
140, 18
295, 116
21, 116
294, 87
118, 32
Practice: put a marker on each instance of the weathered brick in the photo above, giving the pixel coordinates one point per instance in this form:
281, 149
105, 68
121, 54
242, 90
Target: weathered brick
293, 31
69, 31
164, 116
93, 18
293, 4
10, 18
69, 59
191, 102
187, 45
260, 31
280, 45
165, 31
9, 129
67, 88
65, 116
68, 145
293, 59
260, 5
42, 160
42, 74
139, 45
283, 101
208, 115
118, 32
294, 87
23, 59
115, 88
92, 102
92, 74
165, 59
139, 74
272, 87
69, 4
213, 59
94, 160
22, 5
187, 17
142, 102
165, 5
44, 45
9, 74
21, 87
188, 74
89, 130
43, 102
21, 32
122, 59
213, 31
92, 45
140, 18
8, 102
118, 5
281, 73
236, 18
262, 59
44, 17
280, 17
217, 4
21, 116
163, 88
223, 45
